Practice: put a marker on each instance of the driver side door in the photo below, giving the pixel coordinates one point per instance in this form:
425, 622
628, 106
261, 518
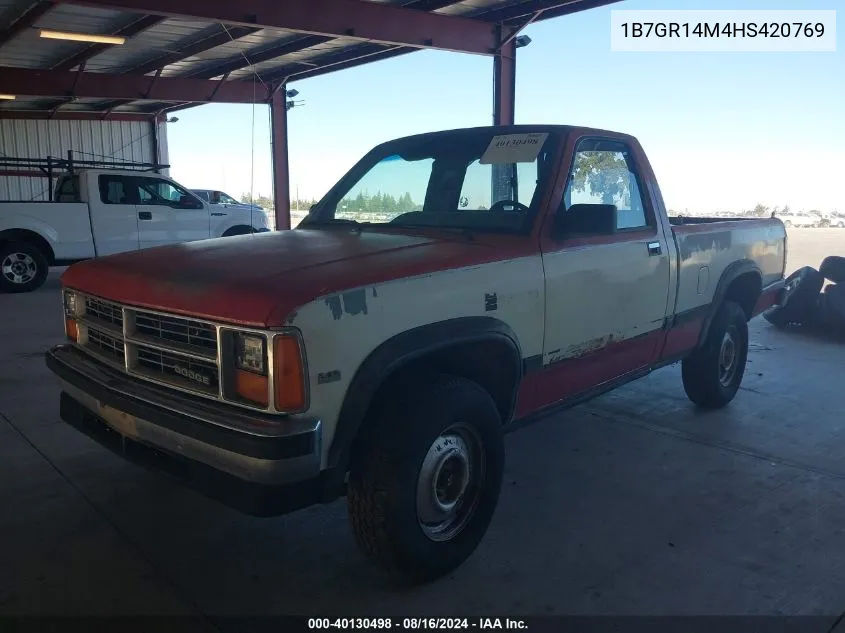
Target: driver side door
163, 220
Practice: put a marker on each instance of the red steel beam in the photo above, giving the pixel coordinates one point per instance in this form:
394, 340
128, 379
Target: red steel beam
23, 21
372, 21
76, 115
60, 83
279, 158
130, 30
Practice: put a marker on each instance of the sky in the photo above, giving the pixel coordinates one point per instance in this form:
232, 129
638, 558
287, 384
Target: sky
723, 131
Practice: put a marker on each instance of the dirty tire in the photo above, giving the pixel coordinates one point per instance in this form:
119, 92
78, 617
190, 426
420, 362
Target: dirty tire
23, 267
402, 437
833, 268
712, 374
799, 302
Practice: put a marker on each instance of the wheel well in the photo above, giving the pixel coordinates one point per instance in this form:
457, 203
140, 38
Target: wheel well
30, 237
240, 229
745, 290
492, 364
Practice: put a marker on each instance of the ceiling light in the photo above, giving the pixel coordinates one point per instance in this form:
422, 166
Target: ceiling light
83, 37
7, 97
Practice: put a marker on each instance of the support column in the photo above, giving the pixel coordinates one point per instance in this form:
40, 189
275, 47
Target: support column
504, 84
281, 176
504, 100
155, 143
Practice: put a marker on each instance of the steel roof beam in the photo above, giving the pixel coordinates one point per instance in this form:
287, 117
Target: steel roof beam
371, 21
62, 83
19, 24
76, 115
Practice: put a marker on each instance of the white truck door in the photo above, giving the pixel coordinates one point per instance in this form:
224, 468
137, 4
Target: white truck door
169, 214
114, 216
606, 287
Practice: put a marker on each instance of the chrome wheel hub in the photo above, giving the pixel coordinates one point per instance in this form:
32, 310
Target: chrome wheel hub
448, 483
18, 268
728, 358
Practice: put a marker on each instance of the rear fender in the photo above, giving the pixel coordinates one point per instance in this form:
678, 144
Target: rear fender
731, 274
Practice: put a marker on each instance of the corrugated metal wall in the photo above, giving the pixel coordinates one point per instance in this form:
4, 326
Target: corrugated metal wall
89, 140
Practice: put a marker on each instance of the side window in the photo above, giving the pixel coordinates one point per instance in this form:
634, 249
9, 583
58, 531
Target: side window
202, 194
604, 172
117, 190
163, 193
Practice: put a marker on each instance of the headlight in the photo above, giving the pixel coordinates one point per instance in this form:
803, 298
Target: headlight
251, 353
72, 304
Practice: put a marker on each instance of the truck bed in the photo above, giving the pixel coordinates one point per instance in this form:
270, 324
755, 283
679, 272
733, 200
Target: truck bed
707, 246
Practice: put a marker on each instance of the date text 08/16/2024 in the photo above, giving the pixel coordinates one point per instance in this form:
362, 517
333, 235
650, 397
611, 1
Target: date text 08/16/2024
416, 624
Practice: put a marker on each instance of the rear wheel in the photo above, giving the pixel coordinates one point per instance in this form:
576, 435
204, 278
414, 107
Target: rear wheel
712, 374
23, 267
426, 476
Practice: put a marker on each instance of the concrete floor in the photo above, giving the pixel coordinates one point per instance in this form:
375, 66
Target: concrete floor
631, 504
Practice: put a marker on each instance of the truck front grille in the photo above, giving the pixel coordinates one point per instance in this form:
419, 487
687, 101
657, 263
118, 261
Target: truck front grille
189, 373
104, 311
165, 348
105, 345
176, 330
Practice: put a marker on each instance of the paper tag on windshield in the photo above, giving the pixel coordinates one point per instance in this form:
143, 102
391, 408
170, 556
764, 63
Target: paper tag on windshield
513, 148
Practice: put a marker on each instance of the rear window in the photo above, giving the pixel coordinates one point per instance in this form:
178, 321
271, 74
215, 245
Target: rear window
67, 189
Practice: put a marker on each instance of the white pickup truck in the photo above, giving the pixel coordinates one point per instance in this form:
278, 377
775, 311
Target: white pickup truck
104, 212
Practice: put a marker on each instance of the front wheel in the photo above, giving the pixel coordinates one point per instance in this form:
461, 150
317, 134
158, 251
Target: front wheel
426, 476
23, 267
712, 373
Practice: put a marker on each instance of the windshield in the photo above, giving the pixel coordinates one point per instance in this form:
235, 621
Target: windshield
468, 179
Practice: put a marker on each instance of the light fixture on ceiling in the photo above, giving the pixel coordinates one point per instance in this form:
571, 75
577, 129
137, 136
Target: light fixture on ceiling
83, 37
7, 97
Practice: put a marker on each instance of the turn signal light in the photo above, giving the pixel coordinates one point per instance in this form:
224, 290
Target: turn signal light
71, 329
252, 387
288, 373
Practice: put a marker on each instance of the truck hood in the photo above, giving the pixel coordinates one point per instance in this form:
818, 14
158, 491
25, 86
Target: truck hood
260, 279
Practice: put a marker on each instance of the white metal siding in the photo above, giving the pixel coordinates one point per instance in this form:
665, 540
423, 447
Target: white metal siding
89, 140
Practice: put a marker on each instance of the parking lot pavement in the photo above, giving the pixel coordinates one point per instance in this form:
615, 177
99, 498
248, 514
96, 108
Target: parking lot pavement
632, 504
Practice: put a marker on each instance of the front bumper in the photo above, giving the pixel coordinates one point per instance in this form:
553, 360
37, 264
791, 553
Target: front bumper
261, 465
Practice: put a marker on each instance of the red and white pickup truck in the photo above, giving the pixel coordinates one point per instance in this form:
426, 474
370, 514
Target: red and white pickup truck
450, 286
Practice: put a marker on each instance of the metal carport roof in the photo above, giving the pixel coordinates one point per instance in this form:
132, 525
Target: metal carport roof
185, 52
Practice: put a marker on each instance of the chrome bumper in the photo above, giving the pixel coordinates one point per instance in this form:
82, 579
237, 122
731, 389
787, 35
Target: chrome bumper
267, 452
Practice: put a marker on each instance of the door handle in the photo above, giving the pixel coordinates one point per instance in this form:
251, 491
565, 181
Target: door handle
145, 215
218, 214
654, 248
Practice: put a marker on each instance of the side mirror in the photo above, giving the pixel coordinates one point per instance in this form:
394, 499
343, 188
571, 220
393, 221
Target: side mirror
584, 220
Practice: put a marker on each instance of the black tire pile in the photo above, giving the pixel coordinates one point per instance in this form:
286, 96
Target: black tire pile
806, 305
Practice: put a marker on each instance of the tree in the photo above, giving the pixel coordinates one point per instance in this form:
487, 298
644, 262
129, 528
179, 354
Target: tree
760, 210
604, 173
